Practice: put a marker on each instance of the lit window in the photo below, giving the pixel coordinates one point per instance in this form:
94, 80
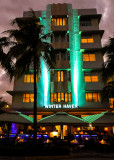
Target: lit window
92, 97
52, 22
60, 76
85, 57
59, 98
69, 97
88, 97
87, 78
57, 21
60, 21
28, 98
94, 78
90, 40
29, 78
92, 57
63, 21
51, 97
62, 96
55, 97
95, 98
89, 57
91, 78
87, 40
83, 40
66, 97
111, 102
31, 97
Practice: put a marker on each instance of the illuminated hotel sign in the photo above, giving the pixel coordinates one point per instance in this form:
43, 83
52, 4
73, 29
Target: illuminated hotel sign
57, 106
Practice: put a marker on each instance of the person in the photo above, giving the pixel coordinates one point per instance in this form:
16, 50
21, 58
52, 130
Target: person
80, 139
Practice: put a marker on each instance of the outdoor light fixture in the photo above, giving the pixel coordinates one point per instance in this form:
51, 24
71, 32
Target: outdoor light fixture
54, 133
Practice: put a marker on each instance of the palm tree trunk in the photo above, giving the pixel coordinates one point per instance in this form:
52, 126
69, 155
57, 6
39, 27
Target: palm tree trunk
35, 101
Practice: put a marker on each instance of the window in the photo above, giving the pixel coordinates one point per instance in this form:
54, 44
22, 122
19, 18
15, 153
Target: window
38, 23
60, 97
94, 78
91, 78
89, 57
87, 78
66, 97
92, 97
60, 76
29, 78
55, 97
51, 97
69, 97
69, 76
111, 102
59, 21
85, 22
87, 40
28, 98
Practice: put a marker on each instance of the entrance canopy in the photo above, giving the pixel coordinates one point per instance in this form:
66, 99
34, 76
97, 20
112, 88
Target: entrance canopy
92, 118
105, 119
15, 117
62, 118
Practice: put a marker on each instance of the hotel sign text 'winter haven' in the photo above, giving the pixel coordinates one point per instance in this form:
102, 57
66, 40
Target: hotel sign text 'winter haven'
58, 106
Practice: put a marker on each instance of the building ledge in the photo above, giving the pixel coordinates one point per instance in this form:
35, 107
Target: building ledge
18, 92
92, 16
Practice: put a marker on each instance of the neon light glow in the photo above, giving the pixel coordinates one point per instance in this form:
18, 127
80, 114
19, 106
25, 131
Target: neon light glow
92, 118
44, 83
14, 128
77, 74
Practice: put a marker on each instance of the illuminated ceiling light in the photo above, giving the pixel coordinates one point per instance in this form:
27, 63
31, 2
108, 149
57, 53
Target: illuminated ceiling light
82, 50
54, 133
79, 17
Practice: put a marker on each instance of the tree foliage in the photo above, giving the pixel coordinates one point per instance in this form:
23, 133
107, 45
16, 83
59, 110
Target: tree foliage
23, 42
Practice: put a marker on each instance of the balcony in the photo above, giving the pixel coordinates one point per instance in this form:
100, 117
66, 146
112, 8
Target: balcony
95, 45
89, 28
59, 28
60, 45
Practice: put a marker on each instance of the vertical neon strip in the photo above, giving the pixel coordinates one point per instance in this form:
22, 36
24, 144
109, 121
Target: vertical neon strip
77, 75
44, 83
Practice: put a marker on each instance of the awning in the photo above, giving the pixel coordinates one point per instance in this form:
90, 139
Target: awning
62, 118
15, 117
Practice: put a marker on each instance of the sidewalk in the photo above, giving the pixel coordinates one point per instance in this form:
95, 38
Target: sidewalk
73, 156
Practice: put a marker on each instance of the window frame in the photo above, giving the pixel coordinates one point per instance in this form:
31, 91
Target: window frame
90, 97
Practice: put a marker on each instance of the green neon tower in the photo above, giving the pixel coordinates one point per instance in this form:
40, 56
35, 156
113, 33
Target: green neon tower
76, 78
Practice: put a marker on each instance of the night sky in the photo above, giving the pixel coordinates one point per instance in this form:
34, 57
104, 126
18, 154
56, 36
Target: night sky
10, 9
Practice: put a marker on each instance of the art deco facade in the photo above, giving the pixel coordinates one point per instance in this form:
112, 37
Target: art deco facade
75, 85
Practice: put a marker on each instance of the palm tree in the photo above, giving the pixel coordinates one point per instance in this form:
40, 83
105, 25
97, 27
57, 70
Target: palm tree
26, 51
2, 103
108, 69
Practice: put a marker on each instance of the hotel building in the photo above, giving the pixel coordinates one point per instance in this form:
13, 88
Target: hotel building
75, 84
